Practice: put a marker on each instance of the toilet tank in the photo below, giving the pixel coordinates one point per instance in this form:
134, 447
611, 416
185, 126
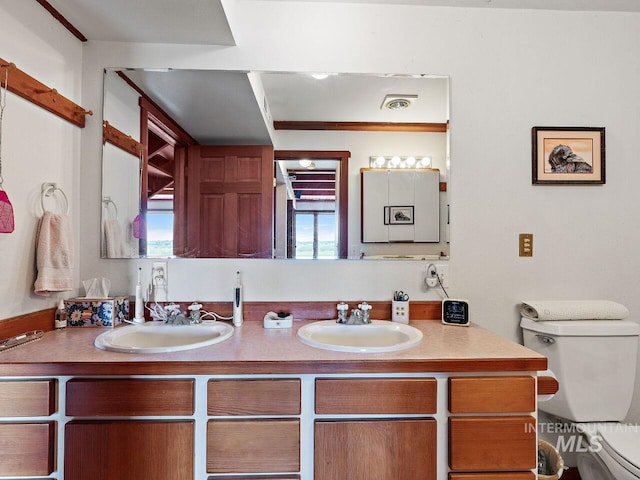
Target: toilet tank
594, 361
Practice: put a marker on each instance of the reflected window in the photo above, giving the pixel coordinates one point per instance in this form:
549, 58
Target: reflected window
160, 227
315, 235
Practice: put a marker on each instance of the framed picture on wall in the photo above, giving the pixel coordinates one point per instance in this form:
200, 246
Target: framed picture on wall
399, 215
568, 156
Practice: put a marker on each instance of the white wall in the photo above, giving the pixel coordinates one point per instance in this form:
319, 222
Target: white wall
510, 70
37, 146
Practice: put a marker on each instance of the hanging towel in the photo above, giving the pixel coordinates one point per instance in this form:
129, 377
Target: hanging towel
573, 310
54, 254
114, 239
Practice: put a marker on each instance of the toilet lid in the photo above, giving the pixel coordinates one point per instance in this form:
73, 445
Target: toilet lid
622, 442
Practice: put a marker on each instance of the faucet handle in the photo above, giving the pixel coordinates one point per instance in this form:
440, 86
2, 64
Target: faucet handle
342, 307
364, 306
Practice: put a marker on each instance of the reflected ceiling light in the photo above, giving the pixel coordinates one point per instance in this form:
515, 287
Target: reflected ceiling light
321, 75
398, 102
311, 166
426, 162
305, 163
397, 161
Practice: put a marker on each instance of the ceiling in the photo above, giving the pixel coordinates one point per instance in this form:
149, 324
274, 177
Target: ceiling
205, 21
220, 107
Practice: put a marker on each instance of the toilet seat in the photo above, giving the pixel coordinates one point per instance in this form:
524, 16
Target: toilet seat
622, 443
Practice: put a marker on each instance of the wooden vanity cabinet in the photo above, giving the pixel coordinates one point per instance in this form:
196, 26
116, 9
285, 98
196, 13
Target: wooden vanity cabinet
27, 447
245, 444
381, 448
504, 440
117, 449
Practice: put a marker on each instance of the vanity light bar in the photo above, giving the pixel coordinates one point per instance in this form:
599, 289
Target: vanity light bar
396, 161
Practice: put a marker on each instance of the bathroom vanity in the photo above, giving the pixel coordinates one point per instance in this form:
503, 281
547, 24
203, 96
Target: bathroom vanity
461, 405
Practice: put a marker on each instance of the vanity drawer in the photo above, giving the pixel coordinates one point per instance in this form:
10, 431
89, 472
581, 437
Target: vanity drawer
493, 476
126, 397
259, 477
253, 397
492, 443
376, 395
513, 394
27, 448
32, 398
256, 446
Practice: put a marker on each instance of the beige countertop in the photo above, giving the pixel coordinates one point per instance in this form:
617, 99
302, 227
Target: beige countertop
255, 350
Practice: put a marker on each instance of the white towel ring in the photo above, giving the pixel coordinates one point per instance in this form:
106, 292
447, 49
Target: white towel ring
106, 201
48, 189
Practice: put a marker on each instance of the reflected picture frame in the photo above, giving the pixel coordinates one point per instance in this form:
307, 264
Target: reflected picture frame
399, 215
568, 155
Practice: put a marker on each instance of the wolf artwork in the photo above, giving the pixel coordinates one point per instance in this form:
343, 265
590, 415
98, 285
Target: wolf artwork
563, 160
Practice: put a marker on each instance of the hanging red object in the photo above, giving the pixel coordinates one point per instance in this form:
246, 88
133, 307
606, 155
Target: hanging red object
6, 209
6, 213
139, 227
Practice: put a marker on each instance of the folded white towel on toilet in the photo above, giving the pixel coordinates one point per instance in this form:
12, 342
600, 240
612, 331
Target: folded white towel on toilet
573, 310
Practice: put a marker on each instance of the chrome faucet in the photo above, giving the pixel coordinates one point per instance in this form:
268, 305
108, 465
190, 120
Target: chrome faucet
359, 316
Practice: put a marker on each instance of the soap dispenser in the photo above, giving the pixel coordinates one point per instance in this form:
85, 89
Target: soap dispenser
61, 316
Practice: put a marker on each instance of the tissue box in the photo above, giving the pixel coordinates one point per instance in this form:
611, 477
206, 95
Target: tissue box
97, 312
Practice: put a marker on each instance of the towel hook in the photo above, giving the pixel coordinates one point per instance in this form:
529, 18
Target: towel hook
48, 189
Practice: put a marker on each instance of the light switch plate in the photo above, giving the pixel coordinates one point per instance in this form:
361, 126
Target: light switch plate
526, 244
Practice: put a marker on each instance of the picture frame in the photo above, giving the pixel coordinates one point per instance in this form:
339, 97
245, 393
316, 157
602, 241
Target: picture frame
399, 215
568, 155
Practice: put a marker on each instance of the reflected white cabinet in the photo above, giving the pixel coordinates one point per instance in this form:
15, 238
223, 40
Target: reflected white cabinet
400, 205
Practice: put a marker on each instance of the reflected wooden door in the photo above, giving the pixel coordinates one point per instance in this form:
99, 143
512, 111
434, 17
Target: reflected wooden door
230, 201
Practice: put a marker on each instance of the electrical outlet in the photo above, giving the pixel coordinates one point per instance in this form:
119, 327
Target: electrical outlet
159, 270
443, 274
526, 244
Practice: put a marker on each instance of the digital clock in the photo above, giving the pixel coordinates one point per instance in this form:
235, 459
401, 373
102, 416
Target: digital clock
455, 312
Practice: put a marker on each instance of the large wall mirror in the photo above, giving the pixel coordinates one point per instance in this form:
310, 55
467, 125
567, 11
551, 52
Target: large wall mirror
219, 164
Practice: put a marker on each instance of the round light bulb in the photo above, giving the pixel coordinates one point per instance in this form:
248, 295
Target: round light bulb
395, 161
380, 161
305, 163
426, 161
411, 161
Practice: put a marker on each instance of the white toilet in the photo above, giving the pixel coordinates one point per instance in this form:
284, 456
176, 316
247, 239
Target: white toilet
595, 364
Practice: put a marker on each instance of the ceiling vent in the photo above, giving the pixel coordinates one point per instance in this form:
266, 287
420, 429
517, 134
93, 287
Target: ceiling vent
398, 102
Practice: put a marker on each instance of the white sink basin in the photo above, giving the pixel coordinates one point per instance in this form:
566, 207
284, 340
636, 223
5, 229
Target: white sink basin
152, 337
378, 336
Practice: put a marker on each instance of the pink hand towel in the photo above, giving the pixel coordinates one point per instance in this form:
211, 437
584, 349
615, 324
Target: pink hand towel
54, 254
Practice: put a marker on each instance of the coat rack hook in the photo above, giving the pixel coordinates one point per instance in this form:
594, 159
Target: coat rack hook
86, 112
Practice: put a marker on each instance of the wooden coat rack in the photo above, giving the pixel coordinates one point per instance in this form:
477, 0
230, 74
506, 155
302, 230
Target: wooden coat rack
121, 140
36, 92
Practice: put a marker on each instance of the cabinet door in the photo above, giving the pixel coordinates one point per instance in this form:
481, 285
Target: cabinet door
27, 448
129, 450
253, 446
492, 443
375, 449
27, 398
